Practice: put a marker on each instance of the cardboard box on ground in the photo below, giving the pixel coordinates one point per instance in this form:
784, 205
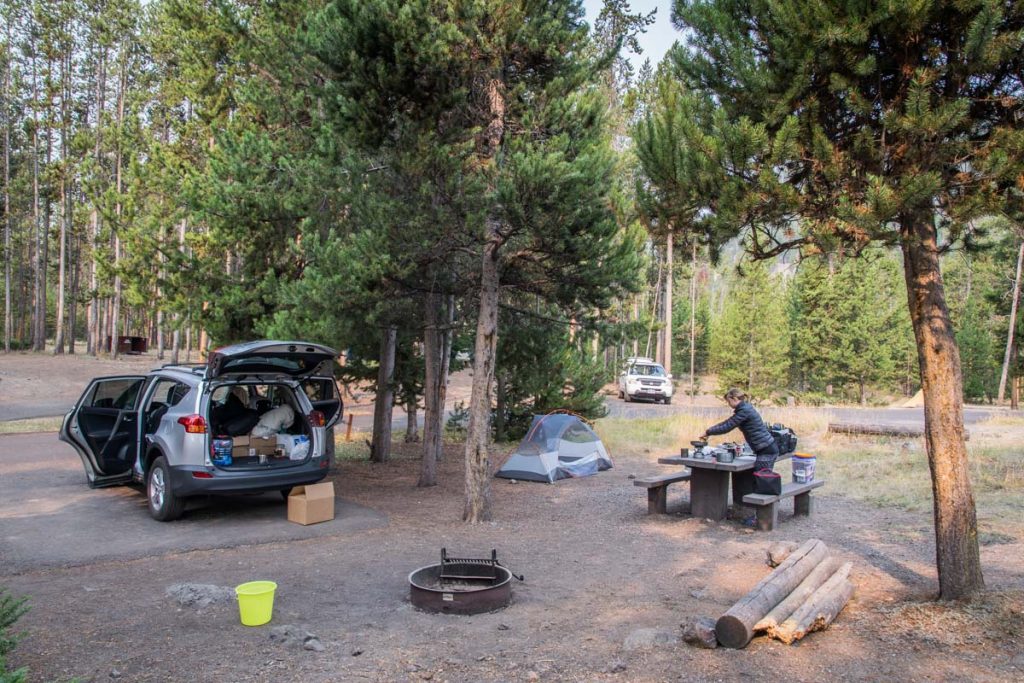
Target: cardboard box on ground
311, 503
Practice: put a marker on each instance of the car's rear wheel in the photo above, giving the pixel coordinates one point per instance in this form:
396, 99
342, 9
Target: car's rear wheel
285, 493
164, 505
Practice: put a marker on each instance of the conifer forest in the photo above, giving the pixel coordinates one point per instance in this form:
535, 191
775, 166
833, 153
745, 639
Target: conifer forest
815, 201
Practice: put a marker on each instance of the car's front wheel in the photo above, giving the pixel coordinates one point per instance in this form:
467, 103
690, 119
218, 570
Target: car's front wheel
164, 506
667, 400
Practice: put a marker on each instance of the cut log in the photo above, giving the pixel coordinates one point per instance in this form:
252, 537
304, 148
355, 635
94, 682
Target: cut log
820, 608
907, 431
777, 552
799, 596
735, 628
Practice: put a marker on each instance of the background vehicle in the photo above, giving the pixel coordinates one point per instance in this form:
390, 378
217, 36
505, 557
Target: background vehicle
161, 429
643, 378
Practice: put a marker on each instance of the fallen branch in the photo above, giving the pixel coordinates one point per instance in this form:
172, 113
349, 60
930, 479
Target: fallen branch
820, 609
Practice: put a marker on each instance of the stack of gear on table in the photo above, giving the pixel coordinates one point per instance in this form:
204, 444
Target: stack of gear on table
726, 452
245, 436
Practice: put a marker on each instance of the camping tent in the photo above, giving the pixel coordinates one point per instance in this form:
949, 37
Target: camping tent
556, 447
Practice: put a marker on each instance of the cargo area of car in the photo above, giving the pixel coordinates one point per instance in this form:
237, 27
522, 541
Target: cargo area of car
257, 426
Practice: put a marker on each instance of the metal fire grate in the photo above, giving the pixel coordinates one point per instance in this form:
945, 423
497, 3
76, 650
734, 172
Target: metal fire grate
463, 568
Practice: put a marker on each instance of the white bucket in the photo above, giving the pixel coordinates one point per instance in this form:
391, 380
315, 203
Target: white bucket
803, 468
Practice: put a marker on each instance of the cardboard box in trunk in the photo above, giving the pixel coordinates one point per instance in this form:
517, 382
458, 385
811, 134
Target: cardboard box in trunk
240, 446
311, 504
263, 446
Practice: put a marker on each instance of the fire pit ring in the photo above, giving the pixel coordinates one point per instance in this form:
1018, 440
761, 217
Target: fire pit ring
430, 594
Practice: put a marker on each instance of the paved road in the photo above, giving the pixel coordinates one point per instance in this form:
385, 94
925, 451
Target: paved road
886, 416
49, 516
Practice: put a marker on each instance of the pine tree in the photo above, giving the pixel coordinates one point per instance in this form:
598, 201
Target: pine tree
867, 124
750, 339
500, 92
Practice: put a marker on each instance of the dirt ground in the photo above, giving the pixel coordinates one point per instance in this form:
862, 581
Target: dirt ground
598, 571
606, 589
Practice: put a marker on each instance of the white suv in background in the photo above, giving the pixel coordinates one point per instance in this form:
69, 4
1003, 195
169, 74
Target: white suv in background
643, 378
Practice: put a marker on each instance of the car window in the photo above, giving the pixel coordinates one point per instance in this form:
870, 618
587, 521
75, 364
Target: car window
649, 370
168, 392
320, 389
115, 393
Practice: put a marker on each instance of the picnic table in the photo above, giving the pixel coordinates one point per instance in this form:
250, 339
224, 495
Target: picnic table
709, 482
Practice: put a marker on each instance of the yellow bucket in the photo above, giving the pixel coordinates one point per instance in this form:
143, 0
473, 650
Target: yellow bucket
256, 602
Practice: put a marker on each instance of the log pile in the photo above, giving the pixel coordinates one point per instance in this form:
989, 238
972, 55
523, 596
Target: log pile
804, 593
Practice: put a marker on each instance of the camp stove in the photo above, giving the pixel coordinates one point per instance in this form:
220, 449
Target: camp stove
462, 585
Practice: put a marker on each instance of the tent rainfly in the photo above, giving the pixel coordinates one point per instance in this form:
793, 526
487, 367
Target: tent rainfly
558, 446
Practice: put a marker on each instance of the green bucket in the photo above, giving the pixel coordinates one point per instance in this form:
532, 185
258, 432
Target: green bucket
256, 602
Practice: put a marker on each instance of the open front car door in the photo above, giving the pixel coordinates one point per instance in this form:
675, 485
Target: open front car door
104, 428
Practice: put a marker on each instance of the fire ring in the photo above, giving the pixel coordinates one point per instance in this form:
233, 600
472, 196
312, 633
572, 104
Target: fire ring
462, 585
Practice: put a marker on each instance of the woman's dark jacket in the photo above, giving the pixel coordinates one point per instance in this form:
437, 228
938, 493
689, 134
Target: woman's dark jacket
750, 423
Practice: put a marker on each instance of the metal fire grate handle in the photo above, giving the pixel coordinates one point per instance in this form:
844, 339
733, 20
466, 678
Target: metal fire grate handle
482, 569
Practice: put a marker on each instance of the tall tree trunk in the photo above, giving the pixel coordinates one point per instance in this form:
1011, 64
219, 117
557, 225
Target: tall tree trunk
58, 342
38, 266
178, 317
122, 82
94, 343
478, 471
380, 450
956, 526
654, 312
8, 313
76, 260
412, 422
436, 351
693, 319
670, 273
1013, 325
499, 406
204, 339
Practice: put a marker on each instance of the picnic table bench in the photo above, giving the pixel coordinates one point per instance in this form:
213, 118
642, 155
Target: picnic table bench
768, 505
657, 490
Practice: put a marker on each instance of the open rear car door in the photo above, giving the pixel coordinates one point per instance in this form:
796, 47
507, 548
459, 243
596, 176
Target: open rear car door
296, 359
104, 428
323, 394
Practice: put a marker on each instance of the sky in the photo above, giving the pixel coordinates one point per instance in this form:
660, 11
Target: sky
659, 36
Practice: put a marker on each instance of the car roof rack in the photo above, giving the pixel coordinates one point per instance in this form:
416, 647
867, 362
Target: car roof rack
194, 368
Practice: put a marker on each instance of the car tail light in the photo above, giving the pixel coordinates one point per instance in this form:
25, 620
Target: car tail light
316, 418
194, 424
202, 475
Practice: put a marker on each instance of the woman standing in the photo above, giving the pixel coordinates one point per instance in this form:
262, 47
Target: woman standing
758, 438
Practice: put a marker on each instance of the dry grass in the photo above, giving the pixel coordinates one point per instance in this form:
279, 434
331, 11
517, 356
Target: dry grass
991, 616
631, 436
1005, 420
40, 424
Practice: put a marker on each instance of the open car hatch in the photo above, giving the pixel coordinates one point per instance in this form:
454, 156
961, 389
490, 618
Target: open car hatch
293, 358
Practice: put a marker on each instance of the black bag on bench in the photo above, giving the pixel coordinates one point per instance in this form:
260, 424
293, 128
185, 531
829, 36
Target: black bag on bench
768, 482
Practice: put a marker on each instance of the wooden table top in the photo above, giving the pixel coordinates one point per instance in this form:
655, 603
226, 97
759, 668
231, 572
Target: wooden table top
740, 464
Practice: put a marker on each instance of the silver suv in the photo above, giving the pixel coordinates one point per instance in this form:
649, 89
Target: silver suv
186, 430
644, 378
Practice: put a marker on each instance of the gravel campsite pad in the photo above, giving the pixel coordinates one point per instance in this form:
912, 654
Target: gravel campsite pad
607, 590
